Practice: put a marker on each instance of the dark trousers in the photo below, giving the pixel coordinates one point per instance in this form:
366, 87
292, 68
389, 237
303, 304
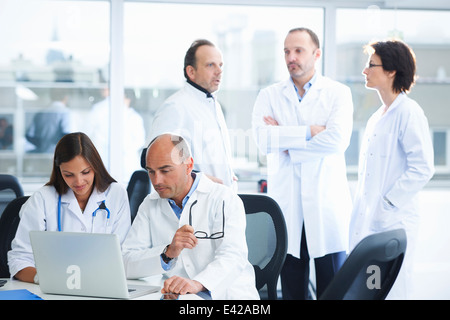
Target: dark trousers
295, 272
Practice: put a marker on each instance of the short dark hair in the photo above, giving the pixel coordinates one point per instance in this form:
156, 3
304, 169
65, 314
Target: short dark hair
189, 58
314, 37
70, 146
396, 56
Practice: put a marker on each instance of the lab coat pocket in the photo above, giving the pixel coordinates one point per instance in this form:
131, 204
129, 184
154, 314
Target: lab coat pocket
385, 217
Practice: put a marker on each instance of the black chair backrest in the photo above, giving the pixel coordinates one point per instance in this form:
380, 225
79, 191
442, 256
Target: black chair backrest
138, 188
266, 239
143, 158
371, 268
9, 221
10, 182
10, 188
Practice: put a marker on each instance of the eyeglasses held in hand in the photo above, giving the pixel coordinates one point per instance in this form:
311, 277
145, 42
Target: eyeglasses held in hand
203, 234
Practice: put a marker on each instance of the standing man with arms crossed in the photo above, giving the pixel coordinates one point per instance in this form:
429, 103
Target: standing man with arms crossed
304, 125
194, 113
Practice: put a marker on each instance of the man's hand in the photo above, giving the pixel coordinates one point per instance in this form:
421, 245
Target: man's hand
181, 285
217, 180
316, 129
270, 121
183, 238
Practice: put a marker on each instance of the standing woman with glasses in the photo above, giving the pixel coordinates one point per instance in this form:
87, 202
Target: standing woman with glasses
396, 159
81, 196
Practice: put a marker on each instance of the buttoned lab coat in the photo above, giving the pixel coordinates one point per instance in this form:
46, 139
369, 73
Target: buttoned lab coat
309, 181
221, 265
198, 119
40, 212
396, 161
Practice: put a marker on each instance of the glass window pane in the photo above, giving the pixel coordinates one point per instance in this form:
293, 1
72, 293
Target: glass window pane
53, 67
352, 152
440, 148
250, 38
419, 29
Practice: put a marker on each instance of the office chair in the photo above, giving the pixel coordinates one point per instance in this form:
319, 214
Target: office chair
9, 221
266, 240
371, 268
143, 158
10, 188
138, 188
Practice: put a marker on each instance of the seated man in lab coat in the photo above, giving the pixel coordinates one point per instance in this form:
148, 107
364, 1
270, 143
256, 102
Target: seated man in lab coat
190, 229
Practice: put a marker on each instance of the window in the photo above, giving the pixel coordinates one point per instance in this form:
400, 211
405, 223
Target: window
53, 67
62, 48
440, 147
250, 38
431, 44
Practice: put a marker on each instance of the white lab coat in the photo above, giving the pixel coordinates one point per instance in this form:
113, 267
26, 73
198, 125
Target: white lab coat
199, 120
40, 212
396, 161
221, 265
309, 182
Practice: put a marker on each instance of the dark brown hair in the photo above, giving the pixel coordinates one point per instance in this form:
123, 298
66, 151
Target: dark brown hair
70, 146
314, 37
189, 58
396, 56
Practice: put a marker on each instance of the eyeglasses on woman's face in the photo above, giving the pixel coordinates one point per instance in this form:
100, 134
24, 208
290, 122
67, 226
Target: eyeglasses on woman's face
372, 65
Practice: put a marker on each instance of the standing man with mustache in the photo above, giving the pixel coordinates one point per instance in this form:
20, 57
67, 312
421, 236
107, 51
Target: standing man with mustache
194, 113
304, 125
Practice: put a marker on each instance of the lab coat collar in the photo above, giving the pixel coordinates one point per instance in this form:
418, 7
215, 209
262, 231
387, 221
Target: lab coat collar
289, 89
395, 103
307, 85
198, 87
198, 90
204, 186
94, 200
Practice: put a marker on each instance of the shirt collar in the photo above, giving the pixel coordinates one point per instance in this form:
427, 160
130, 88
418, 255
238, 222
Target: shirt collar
172, 203
306, 86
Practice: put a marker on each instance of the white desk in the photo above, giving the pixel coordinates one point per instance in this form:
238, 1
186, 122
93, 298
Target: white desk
34, 288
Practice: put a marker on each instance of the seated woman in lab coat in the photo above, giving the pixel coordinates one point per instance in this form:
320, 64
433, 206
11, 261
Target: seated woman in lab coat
191, 230
396, 159
79, 185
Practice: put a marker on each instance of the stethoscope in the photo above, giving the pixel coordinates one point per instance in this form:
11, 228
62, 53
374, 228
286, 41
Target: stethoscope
102, 206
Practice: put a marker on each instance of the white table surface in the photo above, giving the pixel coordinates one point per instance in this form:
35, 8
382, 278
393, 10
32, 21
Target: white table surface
34, 288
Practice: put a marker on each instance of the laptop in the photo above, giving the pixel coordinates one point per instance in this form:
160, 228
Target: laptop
82, 264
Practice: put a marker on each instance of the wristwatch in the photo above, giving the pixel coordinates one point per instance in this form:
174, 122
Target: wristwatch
165, 258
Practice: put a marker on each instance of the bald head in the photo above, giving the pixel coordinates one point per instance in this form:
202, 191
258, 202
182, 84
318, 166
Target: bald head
169, 164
